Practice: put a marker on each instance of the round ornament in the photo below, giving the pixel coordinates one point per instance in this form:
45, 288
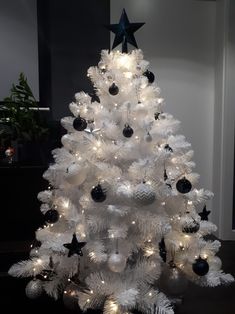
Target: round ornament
113, 89
144, 194
183, 186
9, 152
172, 281
51, 216
34, 289
70, 297
127, 131
215, 263
76, 174
150, 76
79, 124
98, 194
117, 262
200, 267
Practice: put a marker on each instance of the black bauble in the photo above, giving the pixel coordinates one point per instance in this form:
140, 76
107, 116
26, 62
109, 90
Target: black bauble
98, 194
184, 186
113, 89
79, 124
51, 216
191, 228
150, 76
127, 131
200, 267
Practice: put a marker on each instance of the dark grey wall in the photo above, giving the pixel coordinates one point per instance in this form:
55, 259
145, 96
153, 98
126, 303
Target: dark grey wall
18, 44
71, 36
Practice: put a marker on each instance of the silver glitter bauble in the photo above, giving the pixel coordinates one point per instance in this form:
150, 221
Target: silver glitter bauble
70, 297
173, 282
76, 174
117, 262
144, 194
214, 262
34, 289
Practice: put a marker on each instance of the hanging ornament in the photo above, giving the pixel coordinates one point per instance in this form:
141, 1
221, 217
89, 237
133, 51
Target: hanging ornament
94, 97
98, 194
190, 227
156, 115
117, 262
127, 131
79, 124
172, 281
162, 249
52, 215
215, 263
9, 153
113, 89
148, 138
76, 174
204, 214
200, 266
34, 289
150, 76
184, 186
144, 194
75, 247
70, 297
168, 148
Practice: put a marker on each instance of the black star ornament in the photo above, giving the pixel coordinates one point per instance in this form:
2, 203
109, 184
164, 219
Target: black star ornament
75, 247
124, 32
204, 214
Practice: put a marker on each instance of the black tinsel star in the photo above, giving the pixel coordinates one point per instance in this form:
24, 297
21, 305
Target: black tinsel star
124, 32
75, 247
204, 214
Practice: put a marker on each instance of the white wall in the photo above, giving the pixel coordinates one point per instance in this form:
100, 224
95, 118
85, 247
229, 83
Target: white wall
179, 41
18, 44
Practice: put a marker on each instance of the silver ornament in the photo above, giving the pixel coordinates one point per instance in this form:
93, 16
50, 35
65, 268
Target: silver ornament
34, 289
172, 281
76, 174
144, 194
70, 297
117, 262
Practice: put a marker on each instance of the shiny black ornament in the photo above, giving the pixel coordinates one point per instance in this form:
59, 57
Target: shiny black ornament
75, 247
200, 266
162, 249
98, 194
79, 124
113, 89
127, 131
204, 214
168, 148
94, 97
124, 32
51, 216
184, 186
191, 228
150, 76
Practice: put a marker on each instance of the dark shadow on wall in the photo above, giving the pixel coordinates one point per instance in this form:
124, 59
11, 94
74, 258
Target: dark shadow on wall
71, 36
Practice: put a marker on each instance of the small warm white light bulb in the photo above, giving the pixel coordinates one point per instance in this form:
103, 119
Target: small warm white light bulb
133, 222
150, 294
102, 281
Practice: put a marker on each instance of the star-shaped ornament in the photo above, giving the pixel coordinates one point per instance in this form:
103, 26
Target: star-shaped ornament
124, 32
75, 247
204, 214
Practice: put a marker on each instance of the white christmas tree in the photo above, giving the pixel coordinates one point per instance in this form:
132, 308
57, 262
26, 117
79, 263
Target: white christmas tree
121, 210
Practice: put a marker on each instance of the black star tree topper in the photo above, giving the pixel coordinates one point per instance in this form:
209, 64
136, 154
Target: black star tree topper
124, 32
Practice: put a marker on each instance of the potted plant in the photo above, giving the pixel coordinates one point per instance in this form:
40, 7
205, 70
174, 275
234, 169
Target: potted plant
21, 122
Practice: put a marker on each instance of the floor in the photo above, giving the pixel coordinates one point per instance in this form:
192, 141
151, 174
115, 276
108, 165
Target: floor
219, 300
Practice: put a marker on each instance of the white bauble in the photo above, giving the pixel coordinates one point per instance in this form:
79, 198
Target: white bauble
117, 262
76, 174
34, 289
214, 262
144, 194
